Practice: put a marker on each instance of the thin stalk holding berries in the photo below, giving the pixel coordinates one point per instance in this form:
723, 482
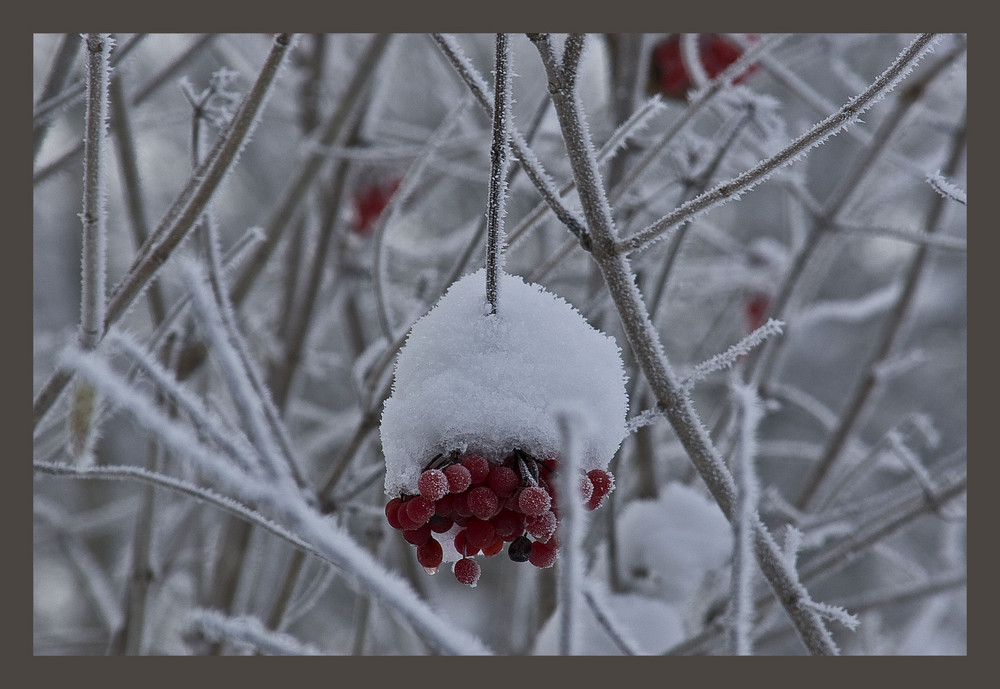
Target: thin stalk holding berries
498, 171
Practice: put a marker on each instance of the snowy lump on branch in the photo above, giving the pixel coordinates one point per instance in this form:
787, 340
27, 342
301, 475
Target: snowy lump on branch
468, 381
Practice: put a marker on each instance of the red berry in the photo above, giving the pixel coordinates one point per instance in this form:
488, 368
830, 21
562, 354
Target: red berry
433, 484
459, 478
462, 544
715, 51
508, 524
369, 202
460, 505
467, 571
542, 554
392, 513
534, 500
429, 555
445, 506
419, 509
541, 526
754, 310
586, 488
440, 524
603, 482
503, 481
479, 533
479, 468
493, 548
483, 503
419, 536
406, 523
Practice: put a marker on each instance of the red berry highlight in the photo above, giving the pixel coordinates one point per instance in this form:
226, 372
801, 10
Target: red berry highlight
534, 501
433, 484
459, 478
467, 571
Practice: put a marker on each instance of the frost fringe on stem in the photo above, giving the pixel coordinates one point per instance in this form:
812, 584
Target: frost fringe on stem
183, 214
248, 631
295, 516
648, 351
495, 210
731, 189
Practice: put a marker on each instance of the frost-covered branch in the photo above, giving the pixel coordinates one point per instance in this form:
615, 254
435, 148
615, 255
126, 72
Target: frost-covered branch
248, 631
732, 189
948, 190
495, 205
648, 350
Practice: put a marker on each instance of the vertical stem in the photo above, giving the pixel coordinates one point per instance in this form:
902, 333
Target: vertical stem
59, 74
498, 171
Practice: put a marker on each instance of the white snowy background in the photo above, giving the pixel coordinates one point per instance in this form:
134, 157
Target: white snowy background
226, 494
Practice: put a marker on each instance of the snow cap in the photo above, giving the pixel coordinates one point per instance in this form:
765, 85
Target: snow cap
469, 381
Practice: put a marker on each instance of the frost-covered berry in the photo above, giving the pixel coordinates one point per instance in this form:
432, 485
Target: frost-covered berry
586, 488
392, 513
433, 484
483, 502
603, 483
419, 536
520, 549
429, 555
459, 478
534, 501
503, 481
541, 526
479, 533
479, 468
467, 571
419, 509
542, 554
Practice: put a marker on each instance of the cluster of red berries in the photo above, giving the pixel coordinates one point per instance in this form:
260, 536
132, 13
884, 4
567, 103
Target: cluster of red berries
716, 52
512, 502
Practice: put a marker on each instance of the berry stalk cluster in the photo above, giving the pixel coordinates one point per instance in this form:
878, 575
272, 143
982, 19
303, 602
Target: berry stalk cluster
483, 506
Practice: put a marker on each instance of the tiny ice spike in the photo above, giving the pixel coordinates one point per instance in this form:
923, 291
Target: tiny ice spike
472, 431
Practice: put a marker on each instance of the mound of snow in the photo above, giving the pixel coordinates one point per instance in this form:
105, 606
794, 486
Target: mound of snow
469, 381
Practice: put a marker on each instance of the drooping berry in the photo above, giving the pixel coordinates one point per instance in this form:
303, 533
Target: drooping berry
459, 478
419, 536
542, 554
483, 502
419, 509
520, 549
392, 513
478, 466
534, 501
467, 571
433, 484
541, 526
503, 481
429, 555
479, 533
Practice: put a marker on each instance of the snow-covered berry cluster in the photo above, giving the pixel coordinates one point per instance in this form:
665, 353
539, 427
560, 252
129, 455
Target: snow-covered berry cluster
478, 506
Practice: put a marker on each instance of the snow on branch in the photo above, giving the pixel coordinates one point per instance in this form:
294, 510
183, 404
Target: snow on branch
946, 188
248, 631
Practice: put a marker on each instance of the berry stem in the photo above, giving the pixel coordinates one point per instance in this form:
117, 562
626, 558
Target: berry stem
498, 171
